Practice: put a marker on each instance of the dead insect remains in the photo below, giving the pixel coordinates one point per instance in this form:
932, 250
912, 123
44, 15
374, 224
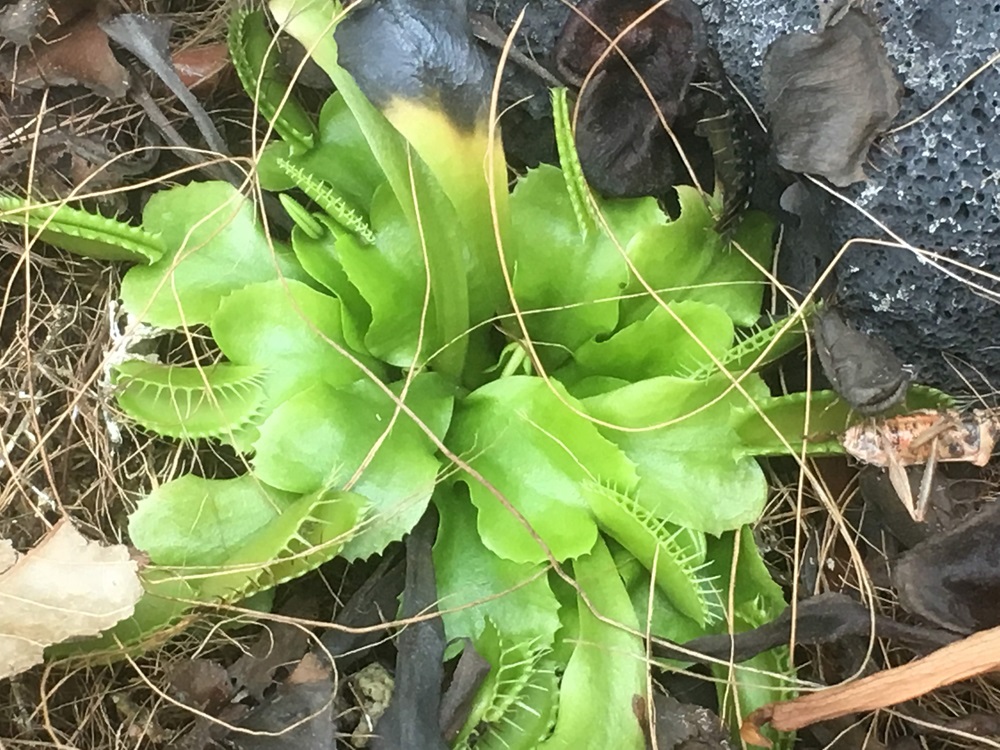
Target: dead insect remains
923, 437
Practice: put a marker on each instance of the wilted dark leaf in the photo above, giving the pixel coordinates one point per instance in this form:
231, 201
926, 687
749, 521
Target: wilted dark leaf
201, 683
683, 726
826, 618
470, 673
879, 494
953, 579
412, 719
279, 644
409, 50
862, 368
298, 717
829, 95
373, 603
147, 38
623, 146
808, 245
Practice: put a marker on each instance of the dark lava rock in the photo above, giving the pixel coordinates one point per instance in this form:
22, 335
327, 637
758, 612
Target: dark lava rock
935, 184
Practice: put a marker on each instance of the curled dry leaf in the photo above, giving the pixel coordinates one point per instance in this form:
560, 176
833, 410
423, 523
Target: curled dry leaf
952, 579
685, 726
829, 95
203, 66
65, 587
862, 368
79, 55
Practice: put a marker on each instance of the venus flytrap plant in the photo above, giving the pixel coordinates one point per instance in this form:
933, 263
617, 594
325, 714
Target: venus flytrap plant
83, 233
516, 705
188, 402
255, 60
324, 196
633, 461
679, 554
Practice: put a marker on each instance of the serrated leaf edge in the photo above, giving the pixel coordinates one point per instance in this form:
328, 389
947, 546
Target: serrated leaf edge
569, 161
74, 222
333, 205
662, 546
178, 428
248, 71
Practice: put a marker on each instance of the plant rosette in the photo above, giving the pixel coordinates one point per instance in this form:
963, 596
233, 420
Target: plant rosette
569, 380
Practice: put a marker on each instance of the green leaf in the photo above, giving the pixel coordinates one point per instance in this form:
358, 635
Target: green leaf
167, 597
301, 216
524, 439
289, 331
686, 259
756, 600
324, 195
318, 256
309, 532
189, 402
553, 267
83, 233
461, 251
569, 161
694, 472
767, 344
214, 246
664, 620
255, 59
191, 521
607, 672
319, 438
516, 704
392, 278
341, 156
679, 553
658, 344
740, 290
516, 597
829, 417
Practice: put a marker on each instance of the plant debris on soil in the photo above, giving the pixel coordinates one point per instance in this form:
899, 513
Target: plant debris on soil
106, 103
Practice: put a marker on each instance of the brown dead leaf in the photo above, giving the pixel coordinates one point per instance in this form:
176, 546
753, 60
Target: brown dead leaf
202, 67
952, 579
299, 716
200, 683
65, 587
79, 55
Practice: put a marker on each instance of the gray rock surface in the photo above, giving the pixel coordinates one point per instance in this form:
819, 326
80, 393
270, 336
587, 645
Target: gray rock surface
935, 184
